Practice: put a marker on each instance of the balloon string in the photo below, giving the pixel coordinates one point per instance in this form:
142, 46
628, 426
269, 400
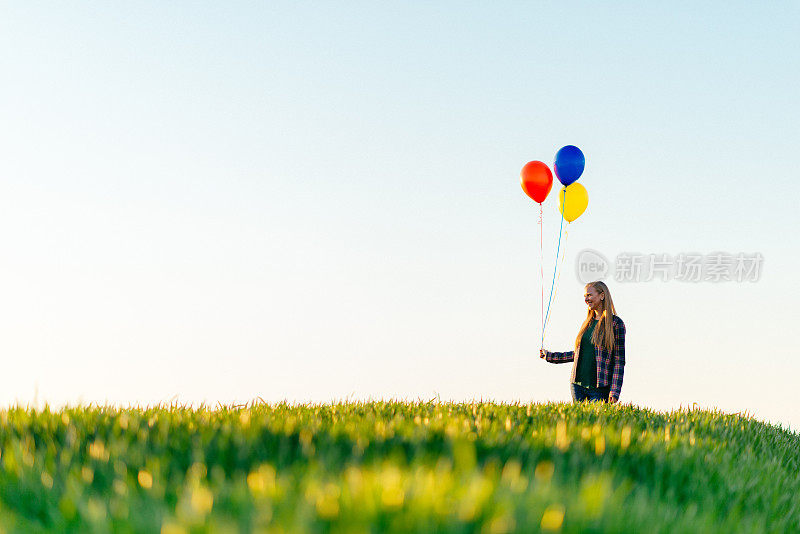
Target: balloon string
552, 284
561, 262
541, 266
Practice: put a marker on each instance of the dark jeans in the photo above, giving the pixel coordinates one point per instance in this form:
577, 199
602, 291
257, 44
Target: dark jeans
581, 393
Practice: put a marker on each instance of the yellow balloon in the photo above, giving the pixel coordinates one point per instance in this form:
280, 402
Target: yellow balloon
577, 200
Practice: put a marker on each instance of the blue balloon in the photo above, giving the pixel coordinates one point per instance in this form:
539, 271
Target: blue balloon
569, 164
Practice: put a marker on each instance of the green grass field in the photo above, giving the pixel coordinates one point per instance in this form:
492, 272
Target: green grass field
396, 467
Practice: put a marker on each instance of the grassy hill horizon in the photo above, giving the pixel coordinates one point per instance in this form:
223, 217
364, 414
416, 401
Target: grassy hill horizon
395, 466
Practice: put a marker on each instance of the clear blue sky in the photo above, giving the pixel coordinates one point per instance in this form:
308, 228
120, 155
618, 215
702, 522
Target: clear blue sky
219, 201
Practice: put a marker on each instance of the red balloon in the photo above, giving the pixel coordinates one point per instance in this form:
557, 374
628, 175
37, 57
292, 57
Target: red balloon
536, 180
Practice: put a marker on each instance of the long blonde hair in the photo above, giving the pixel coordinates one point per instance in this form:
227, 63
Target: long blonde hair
603, 335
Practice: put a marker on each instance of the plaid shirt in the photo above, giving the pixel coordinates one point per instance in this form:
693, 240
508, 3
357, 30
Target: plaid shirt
609, 366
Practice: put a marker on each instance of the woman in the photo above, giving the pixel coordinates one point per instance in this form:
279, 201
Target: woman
600, 349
